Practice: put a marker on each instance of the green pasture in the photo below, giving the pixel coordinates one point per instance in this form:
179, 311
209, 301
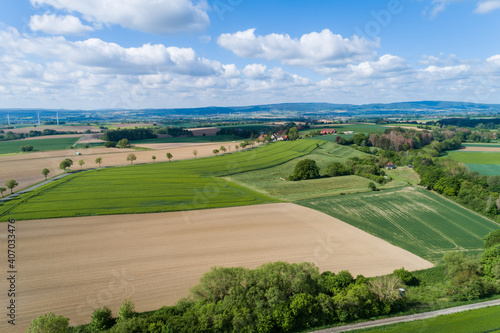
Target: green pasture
414, 219
475, 157
8, 147
267, 181
159, 187
482, 145
481, 320
485, 169
193, 139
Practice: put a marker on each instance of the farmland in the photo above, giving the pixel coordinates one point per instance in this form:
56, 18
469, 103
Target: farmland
181, 185
191, 139
486, 163
481, 320
8, 147
413, 219
70, 266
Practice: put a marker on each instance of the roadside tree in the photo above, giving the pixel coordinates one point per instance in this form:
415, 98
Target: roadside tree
131, 158
11, 184
215, 151
81, 163
169, 156
195, 152
153, 158
98, 161
45, 172
2, 189
222, 149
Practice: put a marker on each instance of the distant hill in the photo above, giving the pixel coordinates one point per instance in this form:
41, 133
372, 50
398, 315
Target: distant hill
274, 110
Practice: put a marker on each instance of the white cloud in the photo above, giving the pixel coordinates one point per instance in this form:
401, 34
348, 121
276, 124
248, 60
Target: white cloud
58, 25
255, 71
487, 6
157, 16
316, 49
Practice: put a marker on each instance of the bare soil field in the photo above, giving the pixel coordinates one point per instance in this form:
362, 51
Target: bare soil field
132, 125
51, 137
26, 169
79, 129
74, 265
209, 131
480, 149
91, 138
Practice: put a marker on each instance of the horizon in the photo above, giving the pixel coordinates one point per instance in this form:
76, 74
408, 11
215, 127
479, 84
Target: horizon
182, 54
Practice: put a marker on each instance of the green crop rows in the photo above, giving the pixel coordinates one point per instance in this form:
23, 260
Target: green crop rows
8, 147
413, 219
486, 163
169, 186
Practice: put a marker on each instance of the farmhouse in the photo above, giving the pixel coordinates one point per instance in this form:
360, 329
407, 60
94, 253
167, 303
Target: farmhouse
328, 131
390, 166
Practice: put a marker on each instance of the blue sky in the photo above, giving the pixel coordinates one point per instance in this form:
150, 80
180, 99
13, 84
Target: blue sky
180, 53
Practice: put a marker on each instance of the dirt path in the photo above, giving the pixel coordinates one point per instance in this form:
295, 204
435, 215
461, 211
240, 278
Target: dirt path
71, 266
402, 319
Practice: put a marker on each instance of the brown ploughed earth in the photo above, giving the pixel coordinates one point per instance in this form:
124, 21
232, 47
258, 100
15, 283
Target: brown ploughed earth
26, 169
72, 266
480, 149
60, 128
209, 131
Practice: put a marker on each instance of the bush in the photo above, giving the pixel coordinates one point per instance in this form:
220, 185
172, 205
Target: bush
49, 323
101, 320
491, 239
110, 144
126, 311
305, 169
406, 277
27, 148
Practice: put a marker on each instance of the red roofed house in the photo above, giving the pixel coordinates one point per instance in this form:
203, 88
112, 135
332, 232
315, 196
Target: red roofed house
328, 131
390, 166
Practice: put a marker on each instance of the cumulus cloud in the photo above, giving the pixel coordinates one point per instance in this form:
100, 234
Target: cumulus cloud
315, 49
58, 25
158, 16
110, 57
487, 6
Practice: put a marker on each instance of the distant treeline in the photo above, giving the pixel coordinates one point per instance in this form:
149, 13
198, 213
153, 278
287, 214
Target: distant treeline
173, 131
487, 123
129, 134
18, 136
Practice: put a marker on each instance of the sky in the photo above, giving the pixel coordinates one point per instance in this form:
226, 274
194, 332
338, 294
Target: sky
133, 54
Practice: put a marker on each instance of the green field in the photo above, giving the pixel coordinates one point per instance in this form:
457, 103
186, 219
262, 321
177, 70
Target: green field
481, 145
194, 139
268, 180
159, 187
412, 218
481, 320
8, 147
486, 163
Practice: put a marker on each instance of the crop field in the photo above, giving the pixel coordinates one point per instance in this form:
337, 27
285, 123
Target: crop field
486, 163
192, 139
481, 320
8, 147
159, 187
411, 218
71, 266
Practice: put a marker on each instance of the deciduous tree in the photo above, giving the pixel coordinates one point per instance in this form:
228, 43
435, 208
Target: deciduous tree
195, 152
45, 172
154, 158
98, 161
131, 158
11, 184
49, 323
66, 164
305, 169
123, 143
2, 189
81, 163
169, 156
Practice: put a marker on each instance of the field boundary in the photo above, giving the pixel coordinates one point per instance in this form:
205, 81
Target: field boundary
413, 317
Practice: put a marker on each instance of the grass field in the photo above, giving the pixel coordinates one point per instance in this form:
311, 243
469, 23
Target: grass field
268, 180
486, 163
481, 320
159, 187
8, 147
411, 218
193, 139
483, 145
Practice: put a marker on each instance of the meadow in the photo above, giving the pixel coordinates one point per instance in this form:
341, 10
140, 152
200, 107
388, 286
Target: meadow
486, 163
481, 320
269, 182
159, 187
8, 147
412, 218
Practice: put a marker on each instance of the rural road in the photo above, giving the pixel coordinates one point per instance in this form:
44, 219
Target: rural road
402, 319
